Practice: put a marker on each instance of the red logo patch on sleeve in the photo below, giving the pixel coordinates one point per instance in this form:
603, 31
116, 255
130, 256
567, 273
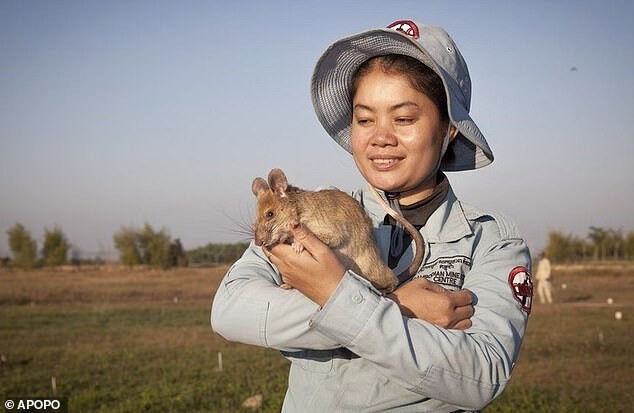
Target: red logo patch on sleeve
522, 287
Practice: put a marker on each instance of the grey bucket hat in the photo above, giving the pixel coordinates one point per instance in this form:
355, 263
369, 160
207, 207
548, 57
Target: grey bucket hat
332, 81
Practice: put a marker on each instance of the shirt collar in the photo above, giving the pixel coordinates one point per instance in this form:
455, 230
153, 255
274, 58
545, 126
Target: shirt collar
448, 223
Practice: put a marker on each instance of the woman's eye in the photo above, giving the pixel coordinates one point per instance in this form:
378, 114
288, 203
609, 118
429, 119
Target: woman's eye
404, 121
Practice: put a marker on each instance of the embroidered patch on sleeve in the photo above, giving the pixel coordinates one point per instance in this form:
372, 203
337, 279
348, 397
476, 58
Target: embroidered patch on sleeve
522, 287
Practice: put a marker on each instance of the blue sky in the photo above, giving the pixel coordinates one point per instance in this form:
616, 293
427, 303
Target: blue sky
117, 113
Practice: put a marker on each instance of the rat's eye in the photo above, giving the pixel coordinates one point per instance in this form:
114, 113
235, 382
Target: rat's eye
269, 214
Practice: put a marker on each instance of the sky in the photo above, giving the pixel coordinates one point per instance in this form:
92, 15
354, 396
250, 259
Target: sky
116, 113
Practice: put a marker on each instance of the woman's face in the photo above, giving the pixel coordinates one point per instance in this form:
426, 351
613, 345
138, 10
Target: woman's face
397, 135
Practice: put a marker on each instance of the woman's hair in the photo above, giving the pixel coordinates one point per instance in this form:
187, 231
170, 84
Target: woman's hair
421, 77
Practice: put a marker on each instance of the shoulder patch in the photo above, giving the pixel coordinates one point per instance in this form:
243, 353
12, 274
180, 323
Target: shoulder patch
521, 284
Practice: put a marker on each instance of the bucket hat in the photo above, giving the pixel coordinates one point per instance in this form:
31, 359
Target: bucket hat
332, 81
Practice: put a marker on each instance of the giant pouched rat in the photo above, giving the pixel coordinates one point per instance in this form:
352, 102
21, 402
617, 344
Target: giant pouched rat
336, 218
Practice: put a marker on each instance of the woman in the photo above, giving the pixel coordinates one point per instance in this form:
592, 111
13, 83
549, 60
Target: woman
398, 100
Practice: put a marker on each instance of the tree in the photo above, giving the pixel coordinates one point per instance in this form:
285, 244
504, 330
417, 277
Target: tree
579, 249
143, 246
629, 246
4, 262
75, 256
23, 247
125, 241
599, 238
55, 248
615, 243
558, 248
177, 255
212, 254
155, 247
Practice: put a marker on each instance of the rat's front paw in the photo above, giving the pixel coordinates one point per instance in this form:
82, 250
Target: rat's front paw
297, 246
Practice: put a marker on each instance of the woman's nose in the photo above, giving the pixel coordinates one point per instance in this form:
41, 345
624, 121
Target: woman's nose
383, 135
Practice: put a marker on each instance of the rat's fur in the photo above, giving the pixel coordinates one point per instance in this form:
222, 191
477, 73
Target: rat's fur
336, 218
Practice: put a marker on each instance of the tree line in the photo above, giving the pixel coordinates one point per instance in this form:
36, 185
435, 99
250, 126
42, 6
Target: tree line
601, 244
216, 253
136, 246
156, 249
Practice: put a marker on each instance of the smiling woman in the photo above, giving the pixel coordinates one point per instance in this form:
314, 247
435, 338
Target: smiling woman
398, 100
400, 127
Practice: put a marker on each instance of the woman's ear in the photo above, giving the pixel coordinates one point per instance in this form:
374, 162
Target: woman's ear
453, 132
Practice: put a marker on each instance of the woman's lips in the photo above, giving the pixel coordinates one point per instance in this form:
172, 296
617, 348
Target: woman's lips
384, 163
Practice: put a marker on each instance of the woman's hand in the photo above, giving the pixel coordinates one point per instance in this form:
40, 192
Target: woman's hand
421, 298
315, 271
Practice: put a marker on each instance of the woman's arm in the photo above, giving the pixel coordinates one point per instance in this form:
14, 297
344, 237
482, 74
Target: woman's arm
318, 273
250, 307
466, 368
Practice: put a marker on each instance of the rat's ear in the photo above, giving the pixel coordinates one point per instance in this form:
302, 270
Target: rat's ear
278, 182
259, 185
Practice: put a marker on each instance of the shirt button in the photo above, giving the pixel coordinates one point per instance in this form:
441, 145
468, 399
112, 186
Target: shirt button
357, 298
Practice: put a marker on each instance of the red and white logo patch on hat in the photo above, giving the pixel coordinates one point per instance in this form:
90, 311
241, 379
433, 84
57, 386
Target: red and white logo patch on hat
406, 26
522, 287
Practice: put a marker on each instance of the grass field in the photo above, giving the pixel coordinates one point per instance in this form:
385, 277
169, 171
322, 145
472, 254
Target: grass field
130, 341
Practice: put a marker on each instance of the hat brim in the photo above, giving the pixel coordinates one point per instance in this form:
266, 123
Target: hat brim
332, 81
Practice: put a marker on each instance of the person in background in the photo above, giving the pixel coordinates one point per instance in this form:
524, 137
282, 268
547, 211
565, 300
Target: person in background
542, 276
398, 99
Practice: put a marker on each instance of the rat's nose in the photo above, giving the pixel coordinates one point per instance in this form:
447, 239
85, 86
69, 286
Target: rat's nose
257, 239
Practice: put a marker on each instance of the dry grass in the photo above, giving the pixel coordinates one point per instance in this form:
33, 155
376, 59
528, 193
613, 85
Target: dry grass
188, 286
140, 340
120, 341
576, 356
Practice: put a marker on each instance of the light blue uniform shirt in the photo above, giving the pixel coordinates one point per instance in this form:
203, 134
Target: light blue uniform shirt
359, 354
